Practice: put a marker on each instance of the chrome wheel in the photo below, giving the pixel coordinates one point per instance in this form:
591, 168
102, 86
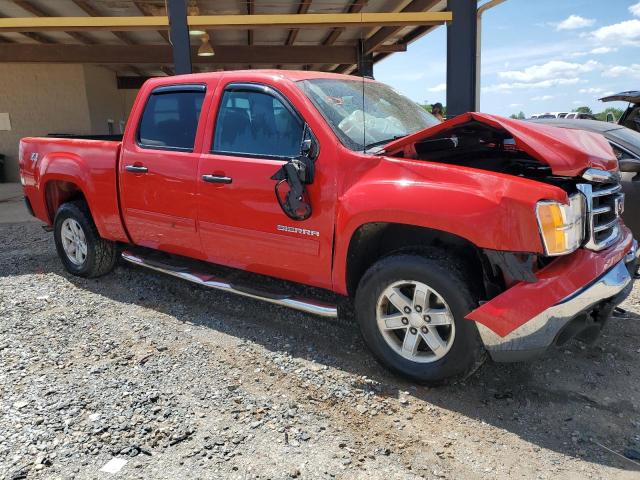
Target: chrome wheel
415, 321
74, 241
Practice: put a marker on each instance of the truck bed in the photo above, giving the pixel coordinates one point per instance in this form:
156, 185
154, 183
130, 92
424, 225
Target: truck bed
90, 164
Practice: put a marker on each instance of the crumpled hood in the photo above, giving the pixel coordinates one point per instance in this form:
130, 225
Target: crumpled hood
568, 152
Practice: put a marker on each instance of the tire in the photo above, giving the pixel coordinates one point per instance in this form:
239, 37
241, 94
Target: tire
98, 257
459, 351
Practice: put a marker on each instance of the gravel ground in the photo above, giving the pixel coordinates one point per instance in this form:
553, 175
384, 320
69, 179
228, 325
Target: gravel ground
179, 382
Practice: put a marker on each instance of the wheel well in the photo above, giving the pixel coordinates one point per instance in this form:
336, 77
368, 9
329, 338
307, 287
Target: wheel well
58, 192
372, 241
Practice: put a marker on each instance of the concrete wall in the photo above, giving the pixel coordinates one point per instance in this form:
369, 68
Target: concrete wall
42, 99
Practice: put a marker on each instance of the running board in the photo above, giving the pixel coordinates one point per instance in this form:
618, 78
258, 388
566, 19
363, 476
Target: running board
297, 303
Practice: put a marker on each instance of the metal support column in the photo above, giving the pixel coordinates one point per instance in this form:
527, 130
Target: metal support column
365, 62
461, 57
179, 35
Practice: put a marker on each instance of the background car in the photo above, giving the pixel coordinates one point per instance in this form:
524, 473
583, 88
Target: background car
631, 117
626, 145
579, 116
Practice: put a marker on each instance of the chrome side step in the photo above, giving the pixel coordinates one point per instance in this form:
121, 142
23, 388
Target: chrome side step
297, 303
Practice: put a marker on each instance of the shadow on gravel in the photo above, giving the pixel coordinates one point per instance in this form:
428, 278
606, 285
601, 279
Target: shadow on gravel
565, 402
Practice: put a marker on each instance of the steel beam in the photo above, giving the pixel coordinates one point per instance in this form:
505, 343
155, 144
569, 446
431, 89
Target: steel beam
365, 62
179, 34
461, 57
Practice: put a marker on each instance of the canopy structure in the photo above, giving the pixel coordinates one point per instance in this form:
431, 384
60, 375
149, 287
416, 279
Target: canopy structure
142, 38
138, 37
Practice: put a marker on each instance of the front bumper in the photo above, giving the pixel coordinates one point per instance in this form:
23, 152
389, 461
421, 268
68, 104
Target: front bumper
581, 314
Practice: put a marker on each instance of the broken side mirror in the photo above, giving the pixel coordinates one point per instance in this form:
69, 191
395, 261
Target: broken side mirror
291, 193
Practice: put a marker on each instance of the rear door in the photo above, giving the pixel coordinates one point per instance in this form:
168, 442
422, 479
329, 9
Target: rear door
158, 171
255, 131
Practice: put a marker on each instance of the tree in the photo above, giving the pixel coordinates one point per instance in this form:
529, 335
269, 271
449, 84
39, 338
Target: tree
583, 110
518, 116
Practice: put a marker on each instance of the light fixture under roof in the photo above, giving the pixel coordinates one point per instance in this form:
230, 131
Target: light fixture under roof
205, 50
194, 11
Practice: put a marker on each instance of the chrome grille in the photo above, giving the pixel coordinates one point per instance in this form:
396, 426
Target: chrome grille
605, 204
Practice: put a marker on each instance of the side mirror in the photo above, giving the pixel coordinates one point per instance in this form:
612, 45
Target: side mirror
305, 148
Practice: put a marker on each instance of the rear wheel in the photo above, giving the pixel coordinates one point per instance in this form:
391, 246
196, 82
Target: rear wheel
82, 251
411, 311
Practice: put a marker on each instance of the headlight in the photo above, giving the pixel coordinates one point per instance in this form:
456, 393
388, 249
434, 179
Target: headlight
561, 226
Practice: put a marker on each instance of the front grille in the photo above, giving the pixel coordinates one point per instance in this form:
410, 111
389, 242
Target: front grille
605, 204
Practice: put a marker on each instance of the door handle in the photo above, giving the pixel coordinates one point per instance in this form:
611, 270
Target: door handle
136, 169
216, 179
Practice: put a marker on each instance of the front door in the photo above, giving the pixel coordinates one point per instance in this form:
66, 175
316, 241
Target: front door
158, 172
256, 131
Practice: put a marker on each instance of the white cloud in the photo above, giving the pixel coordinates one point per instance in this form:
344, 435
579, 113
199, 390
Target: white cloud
542, 98
603, 50
592, 90
578, 102
554, 69
441, 87
513, 105
635, 9
632, 70
573, 22
505, 87
623, 33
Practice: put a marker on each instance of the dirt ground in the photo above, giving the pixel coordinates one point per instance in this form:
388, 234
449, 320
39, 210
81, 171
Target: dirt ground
183, 382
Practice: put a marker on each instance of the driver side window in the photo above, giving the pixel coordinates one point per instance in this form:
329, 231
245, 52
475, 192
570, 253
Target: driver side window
256, 124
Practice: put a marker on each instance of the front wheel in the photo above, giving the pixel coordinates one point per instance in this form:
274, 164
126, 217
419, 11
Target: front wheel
82, 251
411, 311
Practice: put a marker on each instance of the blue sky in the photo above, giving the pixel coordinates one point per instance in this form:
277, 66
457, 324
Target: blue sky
537, 56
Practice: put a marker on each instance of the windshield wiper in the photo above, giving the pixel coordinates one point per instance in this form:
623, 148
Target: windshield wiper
369, 146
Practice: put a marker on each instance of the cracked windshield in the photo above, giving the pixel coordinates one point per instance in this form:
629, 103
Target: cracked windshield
386, 114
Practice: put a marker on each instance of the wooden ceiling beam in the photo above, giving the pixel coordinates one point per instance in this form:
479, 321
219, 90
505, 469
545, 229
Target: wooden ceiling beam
227, 22
355, 7
38, 12
90, 10
162, 54
303, 7
36, 37
146, 11
384, 33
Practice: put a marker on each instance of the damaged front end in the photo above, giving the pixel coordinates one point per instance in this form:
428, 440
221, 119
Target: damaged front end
589, 257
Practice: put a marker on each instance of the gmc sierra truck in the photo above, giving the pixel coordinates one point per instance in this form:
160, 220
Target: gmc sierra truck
451, 240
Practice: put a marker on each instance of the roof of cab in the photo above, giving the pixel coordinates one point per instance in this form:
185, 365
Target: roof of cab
252, 75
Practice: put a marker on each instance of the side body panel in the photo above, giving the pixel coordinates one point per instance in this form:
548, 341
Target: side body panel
159, 206
91, 165
491, 210
241, 223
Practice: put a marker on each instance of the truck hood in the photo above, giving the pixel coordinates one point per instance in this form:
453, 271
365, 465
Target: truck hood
567, 152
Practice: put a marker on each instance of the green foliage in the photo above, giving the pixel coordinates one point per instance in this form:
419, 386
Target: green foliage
583, 110
617, 113
518, 116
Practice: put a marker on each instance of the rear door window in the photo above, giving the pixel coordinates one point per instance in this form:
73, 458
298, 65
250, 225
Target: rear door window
256, 124
170, 118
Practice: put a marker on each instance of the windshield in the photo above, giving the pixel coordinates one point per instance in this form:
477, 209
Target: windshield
365, 114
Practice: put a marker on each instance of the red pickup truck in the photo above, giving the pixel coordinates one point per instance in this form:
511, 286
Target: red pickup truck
479, 234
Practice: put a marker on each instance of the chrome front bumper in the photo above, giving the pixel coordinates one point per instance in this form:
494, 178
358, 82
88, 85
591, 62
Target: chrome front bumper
558, 322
